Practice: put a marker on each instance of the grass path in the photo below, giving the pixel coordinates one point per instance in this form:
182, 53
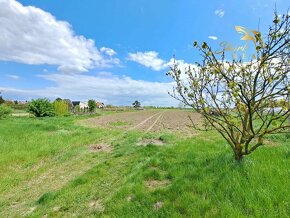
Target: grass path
56, 176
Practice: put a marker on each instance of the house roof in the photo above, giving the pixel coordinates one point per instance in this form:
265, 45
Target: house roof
75, 103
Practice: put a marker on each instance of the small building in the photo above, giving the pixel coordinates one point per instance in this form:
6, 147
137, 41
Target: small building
23, 102
100, 105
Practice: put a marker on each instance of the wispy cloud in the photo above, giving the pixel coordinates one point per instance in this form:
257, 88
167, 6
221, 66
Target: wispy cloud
213, 37
219, 12
32, 36
15, 77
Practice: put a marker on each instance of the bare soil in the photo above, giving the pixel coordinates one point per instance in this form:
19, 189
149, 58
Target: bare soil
148, 121
100, 147
154, 184
158, 205
97, 206
145, 142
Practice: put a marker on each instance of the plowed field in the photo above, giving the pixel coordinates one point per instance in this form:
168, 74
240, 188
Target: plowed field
147, 120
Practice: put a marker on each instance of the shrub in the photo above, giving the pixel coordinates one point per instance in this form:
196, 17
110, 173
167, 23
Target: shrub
41, 107
4, 111
77, 109
61, 108
9, 103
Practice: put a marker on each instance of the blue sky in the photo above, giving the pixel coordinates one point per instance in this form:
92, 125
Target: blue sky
111, 50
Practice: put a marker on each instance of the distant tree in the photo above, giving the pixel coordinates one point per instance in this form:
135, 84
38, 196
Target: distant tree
92, 105
69, 103
1, 100
41, 107
238, 98
58, 99
136, 104
61, 107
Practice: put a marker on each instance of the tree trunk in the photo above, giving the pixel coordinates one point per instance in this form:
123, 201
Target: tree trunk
238, 154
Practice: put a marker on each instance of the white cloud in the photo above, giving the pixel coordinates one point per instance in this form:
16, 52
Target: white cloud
32, 36
213, 37
108, 51
15, 77
219, 12
105, 87
183, 67
149, 59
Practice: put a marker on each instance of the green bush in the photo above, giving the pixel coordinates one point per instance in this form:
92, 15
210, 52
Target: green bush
4, 111
77, 109
41, 107
61, 108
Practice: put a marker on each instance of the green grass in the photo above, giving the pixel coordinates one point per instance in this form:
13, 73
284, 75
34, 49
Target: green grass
47, 168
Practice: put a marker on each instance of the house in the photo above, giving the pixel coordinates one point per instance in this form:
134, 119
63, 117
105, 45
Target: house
75, 103
100, 105
82, 105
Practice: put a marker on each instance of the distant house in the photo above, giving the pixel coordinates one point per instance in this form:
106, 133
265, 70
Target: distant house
22, 102
100, 105
82, 105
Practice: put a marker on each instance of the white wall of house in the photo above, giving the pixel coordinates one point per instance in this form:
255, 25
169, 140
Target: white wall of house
83, 105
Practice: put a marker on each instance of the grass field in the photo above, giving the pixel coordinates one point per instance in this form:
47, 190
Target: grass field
54, 167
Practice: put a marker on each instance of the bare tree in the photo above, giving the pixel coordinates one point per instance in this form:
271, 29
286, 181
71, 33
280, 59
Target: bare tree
243, 101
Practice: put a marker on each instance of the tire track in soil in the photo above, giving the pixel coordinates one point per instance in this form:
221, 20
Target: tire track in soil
158, 118
144, 121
